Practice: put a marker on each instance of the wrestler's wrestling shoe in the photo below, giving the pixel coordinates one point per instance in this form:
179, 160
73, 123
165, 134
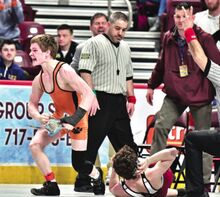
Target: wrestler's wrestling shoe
48, 189
98, 184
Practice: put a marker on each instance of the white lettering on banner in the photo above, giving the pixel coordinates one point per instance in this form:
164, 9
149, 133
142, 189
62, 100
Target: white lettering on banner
176, 133
176, 136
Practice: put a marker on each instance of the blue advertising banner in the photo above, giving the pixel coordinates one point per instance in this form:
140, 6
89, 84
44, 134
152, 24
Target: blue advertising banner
17, 128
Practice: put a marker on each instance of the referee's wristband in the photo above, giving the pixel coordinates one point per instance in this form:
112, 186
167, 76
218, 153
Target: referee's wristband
131, 99
189, 35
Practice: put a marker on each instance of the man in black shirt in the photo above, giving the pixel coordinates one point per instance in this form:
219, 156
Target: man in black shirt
66, 44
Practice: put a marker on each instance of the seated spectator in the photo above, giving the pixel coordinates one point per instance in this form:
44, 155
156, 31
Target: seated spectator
146, 177
11, 14
8, 69
67, 46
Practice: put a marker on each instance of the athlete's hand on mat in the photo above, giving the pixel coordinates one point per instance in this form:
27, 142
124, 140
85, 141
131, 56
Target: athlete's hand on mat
95, 107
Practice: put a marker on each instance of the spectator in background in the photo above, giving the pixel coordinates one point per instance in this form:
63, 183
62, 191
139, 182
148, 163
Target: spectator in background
162, 9
144, 14
209, 20
67, 46
98, 25
8, 69
11, 14
184, 84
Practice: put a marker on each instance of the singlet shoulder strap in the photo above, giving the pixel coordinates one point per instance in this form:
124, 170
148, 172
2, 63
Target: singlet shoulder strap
41, 81
57, 68
59, 64
129, 191
148, 185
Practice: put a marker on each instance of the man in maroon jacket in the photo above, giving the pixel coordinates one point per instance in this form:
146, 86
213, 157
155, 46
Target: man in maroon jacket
184, 84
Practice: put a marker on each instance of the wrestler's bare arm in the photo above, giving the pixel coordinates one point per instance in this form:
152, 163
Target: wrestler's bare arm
115, 186
72, 79
114, 179
161, 156
34, 99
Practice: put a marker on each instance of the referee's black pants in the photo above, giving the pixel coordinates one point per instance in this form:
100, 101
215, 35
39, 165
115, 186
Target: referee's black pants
111, 120
196, 142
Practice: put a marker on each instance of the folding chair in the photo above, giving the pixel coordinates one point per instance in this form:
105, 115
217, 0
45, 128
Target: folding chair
180, 127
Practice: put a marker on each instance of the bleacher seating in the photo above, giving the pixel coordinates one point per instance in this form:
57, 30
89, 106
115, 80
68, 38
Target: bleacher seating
144, 45
28, 30
22, 59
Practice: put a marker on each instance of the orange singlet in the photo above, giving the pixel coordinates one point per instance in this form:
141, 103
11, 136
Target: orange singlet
66, 102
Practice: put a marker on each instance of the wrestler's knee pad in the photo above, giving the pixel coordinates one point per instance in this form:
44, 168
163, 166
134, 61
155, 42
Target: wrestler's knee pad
80, 164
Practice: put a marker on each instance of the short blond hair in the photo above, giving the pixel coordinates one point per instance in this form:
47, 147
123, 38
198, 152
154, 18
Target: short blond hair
46, 42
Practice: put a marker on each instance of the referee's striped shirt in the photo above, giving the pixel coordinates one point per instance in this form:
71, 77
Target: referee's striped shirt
212, 71
109, 65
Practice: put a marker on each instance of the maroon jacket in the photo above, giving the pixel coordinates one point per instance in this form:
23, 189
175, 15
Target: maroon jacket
194, 89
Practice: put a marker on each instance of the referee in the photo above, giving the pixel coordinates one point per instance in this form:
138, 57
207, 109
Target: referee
105, 64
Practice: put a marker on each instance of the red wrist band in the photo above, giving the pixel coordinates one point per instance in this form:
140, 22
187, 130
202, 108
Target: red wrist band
189, 35
131, 99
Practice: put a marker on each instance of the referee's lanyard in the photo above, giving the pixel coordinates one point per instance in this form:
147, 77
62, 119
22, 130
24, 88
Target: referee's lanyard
116, 57
183, 68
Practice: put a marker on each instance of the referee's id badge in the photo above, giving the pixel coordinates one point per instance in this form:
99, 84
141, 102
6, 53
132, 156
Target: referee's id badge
183, 70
